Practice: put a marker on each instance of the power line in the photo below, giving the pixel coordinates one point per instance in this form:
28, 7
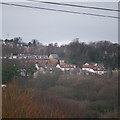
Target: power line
58, 10
78, 6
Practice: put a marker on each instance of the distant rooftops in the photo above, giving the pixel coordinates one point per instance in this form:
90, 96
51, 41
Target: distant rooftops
93, 66
23, 56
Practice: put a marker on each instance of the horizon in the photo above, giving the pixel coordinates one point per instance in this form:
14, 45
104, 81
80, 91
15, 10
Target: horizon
63, 43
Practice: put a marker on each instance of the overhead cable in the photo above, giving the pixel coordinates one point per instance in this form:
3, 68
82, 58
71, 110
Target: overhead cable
78, 6
59, 10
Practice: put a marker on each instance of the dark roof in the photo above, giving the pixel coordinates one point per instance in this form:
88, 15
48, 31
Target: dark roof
61, 58
54, 56
89, 66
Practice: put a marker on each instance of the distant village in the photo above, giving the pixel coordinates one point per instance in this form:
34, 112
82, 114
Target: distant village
49, 63
53, 62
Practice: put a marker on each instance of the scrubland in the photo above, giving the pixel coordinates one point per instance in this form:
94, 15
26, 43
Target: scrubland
61, 95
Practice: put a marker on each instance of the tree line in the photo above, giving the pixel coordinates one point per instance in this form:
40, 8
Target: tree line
75, 52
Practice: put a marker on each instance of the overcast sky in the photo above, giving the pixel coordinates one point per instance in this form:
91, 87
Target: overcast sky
51, 27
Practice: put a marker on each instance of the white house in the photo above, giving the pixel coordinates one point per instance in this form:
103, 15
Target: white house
14, 57
66, 67
94, 68
10, 57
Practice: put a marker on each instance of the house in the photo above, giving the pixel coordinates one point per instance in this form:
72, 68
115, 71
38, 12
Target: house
61, 60
41, 60
53, 56
14, 57
10, 57
3, 57
53, 61
66, 67
88, 67
94, 68
42, 57
22, 56
33, 57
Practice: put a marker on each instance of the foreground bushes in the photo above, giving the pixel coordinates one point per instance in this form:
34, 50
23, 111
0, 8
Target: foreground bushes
62, 96
27, 103
19, 103
100, 92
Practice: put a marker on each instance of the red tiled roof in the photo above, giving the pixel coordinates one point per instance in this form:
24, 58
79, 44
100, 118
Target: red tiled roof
89, 66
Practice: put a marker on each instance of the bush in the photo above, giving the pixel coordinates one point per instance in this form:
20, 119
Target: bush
19, 103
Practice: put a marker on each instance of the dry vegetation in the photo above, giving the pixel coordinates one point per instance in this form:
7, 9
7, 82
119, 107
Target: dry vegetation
62, 96
19, 103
